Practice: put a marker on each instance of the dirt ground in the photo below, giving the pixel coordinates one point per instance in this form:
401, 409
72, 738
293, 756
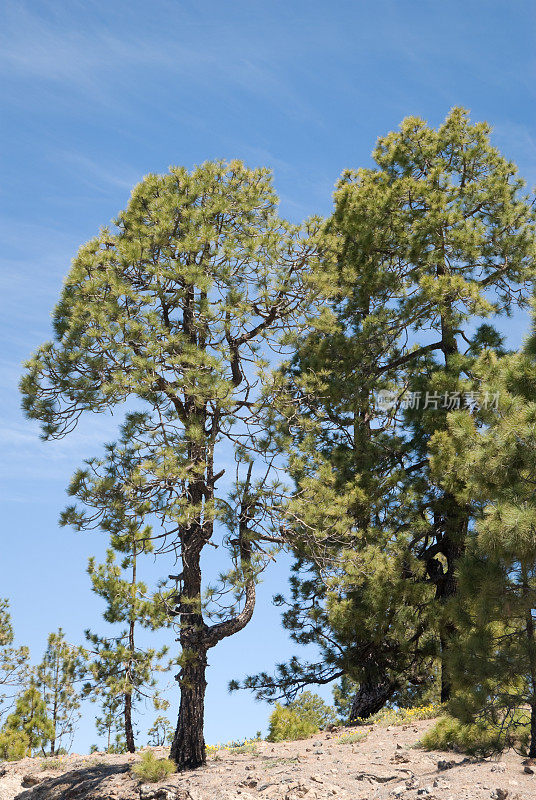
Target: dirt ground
384, 764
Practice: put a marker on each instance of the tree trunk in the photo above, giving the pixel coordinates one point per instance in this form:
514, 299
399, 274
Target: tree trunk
129, 732
531, 648
532, 748
452, 548
188, 748
371, 697
127, 709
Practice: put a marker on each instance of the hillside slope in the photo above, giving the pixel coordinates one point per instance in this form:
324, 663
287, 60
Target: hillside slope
384, 764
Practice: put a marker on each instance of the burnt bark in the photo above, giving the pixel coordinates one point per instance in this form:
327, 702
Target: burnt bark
188, 748
127, 716
196, 637
371, 697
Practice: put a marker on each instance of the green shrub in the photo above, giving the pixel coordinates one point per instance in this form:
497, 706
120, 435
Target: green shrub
477, 739
311, 707
351, 738
286, 724
400, 716
151, 769
14, 745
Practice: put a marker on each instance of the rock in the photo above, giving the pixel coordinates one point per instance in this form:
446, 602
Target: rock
3, 771
398, 791
498, 768
30, 780
528, 770
400, 758
298, 791
163, 793
249, 783
332, 728
499, 794
443, 765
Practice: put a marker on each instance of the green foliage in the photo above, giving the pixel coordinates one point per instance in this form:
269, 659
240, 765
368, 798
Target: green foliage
14, 744
30, 719
438, 234
111, 724
343, 692
152, 770
160, 732
172, 311
117, 668
311, 708
56, 677
351, 738
288, 725
401, 716
475, 739
494, 665
14, 662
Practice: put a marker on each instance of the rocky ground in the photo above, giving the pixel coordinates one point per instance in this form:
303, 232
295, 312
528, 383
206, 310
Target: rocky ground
384, 764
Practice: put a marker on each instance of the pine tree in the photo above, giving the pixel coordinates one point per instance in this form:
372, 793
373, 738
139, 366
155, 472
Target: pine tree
494, 663
175, 308
56, 676
111, 724
118, 667
160, 733
14, 662
30, 720
438, 235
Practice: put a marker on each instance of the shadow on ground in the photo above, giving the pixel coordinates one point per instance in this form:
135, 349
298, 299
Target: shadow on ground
78, 783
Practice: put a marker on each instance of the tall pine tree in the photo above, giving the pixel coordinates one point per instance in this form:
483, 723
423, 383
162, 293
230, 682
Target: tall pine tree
175, 308
420, 248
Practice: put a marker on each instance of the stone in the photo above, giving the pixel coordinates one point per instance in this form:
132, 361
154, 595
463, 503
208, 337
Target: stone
30, 780
499, 794
163, 793
249, 783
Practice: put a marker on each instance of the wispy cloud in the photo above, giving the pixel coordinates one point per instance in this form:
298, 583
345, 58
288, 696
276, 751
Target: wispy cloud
99, 63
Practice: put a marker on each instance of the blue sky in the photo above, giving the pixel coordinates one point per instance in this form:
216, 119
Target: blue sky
96, 94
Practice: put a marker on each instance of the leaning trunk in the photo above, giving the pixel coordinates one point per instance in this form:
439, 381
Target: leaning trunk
371, 697
188, 748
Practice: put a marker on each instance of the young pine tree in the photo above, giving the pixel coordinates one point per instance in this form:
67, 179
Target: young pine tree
14, 663
119, 669
56, 678
174, 309
29, 722
160, 733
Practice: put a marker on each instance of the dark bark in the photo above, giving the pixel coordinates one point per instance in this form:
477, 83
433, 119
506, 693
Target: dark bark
455, 520
531, 647
196, 637
127, 708
129, 732
532, 748
371, 697
188, 748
